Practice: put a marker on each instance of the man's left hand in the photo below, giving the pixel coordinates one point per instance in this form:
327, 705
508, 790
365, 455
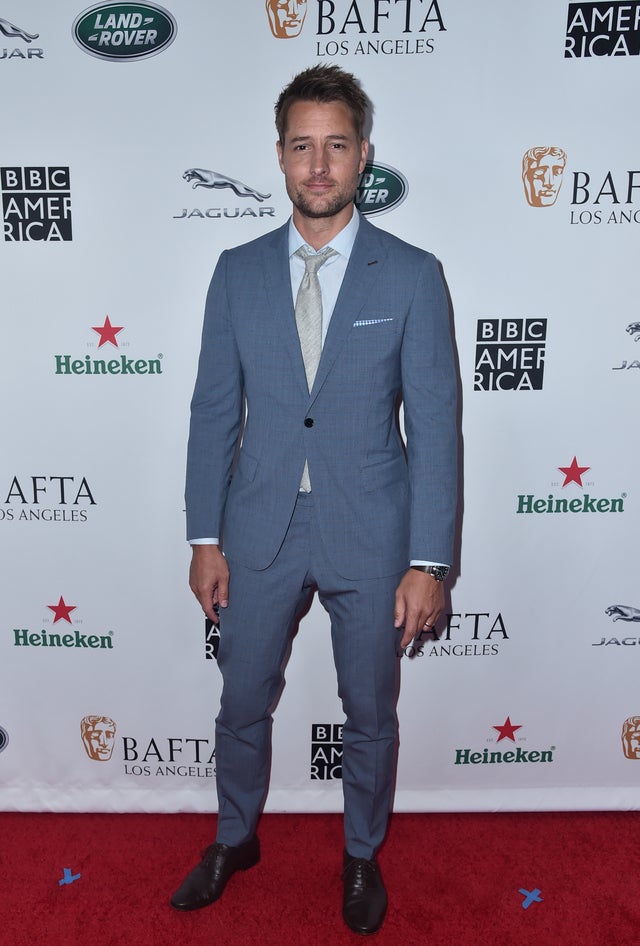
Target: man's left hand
419, 602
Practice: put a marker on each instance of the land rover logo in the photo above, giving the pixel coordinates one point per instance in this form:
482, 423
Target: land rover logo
381, 188
119, 31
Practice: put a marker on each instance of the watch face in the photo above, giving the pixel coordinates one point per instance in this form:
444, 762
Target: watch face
439, 572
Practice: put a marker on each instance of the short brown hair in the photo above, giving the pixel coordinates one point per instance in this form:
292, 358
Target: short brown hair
323, 83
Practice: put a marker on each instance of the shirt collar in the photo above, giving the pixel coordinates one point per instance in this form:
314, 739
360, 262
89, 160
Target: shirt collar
342, 242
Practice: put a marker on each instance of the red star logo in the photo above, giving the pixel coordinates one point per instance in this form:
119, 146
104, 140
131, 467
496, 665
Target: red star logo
573, 473
107, 332
507, 730
62, 610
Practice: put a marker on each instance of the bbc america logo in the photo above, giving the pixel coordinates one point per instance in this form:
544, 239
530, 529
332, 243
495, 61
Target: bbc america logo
36, 204
602, 29
510, 354
211, 639
326, 750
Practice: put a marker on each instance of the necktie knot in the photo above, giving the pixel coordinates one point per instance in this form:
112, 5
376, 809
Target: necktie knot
313, 261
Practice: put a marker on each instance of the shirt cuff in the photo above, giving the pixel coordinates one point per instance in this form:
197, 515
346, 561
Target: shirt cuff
415, 561
204, 541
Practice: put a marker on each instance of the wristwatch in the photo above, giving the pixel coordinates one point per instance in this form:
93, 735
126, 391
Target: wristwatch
439, 572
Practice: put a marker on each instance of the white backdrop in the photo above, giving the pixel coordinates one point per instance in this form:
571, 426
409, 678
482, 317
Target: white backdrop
521, 700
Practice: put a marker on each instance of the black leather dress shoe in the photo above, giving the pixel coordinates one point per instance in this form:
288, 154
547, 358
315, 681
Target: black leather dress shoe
365, 899
206, 882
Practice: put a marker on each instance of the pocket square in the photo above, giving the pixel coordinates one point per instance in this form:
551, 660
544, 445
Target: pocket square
361, 322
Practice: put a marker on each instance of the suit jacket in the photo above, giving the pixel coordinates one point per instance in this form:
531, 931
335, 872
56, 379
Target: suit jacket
377, 507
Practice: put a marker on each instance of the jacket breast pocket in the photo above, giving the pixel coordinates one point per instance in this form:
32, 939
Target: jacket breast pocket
373, 339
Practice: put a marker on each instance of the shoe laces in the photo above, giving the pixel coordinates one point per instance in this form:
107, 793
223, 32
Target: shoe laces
360, 872
210, 853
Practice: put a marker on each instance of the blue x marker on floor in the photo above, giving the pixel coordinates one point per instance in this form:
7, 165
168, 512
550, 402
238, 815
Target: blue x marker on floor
530, 896
69, 877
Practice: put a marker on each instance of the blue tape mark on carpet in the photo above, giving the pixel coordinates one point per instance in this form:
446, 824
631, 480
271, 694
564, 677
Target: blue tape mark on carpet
69, 877
530, 896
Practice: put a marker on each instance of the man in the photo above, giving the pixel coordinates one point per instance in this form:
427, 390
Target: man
322, 495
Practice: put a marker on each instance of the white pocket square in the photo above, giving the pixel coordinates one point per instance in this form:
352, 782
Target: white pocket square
362, 322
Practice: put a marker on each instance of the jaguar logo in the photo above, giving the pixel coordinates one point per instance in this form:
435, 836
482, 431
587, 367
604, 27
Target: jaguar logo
15, 32
634, 329
216, 181
623, 612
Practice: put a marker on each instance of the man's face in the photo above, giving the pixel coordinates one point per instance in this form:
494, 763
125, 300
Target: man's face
543, 180
286, 17
100, 740
322, 158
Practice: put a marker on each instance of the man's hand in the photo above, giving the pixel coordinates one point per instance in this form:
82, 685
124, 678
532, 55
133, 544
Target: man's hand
419, 601
209, 578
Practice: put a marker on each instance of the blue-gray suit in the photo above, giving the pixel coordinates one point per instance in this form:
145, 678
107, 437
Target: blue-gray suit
372, 509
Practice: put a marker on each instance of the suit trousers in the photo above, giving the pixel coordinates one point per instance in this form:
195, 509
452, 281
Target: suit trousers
255, 634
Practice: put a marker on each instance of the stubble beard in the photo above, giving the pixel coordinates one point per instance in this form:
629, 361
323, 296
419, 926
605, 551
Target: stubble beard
319, 211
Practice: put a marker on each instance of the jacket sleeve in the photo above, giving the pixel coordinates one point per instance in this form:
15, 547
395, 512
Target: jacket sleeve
429, 391
216, 414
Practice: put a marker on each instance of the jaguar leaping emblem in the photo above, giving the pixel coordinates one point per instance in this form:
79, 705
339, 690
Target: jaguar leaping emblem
634, 329
623, 612
14, 31
213, 179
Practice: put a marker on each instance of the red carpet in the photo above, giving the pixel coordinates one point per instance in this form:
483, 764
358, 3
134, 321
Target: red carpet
453, 880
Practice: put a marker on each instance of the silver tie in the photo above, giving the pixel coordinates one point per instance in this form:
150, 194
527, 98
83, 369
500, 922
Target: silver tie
309, 323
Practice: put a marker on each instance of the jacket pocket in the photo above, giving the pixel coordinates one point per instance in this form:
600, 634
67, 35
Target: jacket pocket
383, 473
247, 466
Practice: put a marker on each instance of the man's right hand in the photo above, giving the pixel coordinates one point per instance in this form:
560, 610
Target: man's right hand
209, 578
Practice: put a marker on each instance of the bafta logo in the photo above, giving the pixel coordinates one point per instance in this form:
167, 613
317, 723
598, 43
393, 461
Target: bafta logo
98, 736
286, 17
631, 738
542, 170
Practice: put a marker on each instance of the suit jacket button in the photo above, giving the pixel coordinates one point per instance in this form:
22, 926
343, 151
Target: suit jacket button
308, 422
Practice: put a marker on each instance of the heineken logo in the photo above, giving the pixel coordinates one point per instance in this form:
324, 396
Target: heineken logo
66, 364
381, 188
528, 503
22, 638
120, 364
62, 611
487, 757
517, 754
119, 31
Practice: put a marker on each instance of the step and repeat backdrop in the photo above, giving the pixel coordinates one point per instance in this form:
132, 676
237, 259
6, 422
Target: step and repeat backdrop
138, 142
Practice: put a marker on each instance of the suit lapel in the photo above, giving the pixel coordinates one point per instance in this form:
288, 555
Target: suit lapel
363, 271
278, 283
